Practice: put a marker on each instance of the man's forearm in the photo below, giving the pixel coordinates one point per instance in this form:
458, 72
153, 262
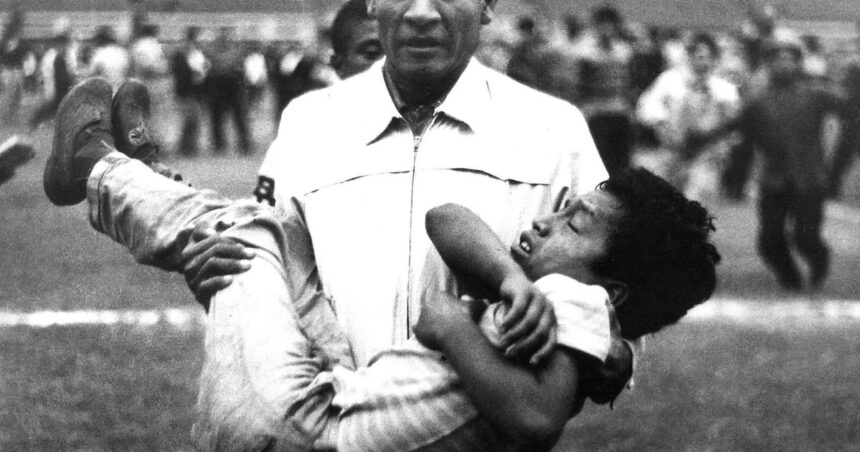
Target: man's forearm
532, 405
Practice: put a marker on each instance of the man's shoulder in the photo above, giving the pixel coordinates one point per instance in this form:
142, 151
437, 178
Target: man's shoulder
524, 100
342, 93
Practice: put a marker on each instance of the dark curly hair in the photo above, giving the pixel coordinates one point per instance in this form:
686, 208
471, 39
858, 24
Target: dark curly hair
660, 248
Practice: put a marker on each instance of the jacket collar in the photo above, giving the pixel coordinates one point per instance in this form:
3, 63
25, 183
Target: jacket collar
467, 102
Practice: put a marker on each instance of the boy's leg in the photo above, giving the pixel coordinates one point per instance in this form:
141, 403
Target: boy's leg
151, 216
257, 386
258, 380
252, 224
260, 385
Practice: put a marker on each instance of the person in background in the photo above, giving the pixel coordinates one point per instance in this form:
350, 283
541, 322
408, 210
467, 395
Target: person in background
688, 101
647, 62
784, 125
147, 54
109, 59
298, 73
604, 93
226, 94
14, 53
849, 146
256, 76
14, 152
189, 67
354, 40
58, 69
672, 47
528, 63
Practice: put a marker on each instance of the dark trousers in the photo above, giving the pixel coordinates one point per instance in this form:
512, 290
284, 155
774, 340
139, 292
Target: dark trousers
803, 212
228, 97
614, 135
190, 110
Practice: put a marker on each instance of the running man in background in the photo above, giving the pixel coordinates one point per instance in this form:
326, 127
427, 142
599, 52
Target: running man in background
783, 124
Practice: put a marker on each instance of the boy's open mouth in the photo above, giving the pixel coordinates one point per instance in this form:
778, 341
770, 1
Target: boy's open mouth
522, 249
525, 246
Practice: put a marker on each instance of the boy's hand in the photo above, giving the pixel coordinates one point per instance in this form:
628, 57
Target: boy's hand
528, 331
441, 311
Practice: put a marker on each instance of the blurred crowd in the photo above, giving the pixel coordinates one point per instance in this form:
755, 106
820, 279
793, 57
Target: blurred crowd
623, 76
654, 88
213, 74
694, 104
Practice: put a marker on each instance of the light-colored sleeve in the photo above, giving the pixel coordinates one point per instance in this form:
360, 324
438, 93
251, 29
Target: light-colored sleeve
582, 312
728, 95
652, 108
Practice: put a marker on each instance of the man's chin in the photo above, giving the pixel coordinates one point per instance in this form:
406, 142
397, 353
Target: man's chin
423, 70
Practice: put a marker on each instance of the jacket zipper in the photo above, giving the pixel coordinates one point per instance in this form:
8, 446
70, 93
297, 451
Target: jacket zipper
416, 143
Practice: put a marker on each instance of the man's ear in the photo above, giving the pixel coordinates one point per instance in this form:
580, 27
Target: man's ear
617, 291
371, 8
487, 13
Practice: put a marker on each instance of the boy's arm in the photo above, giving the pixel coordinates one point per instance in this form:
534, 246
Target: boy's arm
530, 404
471, 248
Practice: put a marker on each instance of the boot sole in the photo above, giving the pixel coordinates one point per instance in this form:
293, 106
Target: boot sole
133, 93
81, 102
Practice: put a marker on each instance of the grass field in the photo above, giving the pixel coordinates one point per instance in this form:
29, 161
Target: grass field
703, 385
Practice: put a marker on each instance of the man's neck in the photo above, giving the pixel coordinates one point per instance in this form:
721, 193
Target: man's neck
410, 93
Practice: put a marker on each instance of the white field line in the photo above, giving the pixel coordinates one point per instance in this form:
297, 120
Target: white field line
775, 312
717, 310
175, 317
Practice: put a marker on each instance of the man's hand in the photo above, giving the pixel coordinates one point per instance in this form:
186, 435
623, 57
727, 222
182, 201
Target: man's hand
441, 311
528, 331
209, 261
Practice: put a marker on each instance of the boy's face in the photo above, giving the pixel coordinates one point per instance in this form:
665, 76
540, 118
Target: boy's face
571, 240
